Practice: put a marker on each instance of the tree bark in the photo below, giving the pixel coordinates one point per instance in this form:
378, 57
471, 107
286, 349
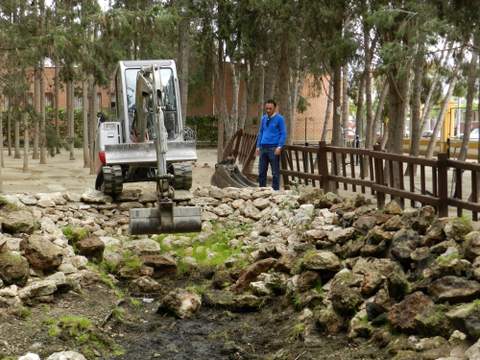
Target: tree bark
471, 77
261, 88
56, 97
243, 109
337, 105
369, 49
328, 110
17, 137
2, 160
43, 118
359, 116
284, 86
441, 115
37, 96
70, 119
92, 126
26, 140
415, 131
183, 63
9, 130
86, 156
377, 120
220, 76
233, 118
345, 105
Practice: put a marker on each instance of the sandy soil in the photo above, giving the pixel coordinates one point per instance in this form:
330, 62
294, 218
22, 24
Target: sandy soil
62, 174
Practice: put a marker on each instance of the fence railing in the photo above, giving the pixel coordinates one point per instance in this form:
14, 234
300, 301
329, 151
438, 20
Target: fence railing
400, 177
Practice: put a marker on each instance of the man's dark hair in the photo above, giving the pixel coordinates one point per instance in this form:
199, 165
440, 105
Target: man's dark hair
271, 101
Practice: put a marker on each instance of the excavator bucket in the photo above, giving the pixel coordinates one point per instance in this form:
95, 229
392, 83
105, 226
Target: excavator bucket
168, 218
227, 174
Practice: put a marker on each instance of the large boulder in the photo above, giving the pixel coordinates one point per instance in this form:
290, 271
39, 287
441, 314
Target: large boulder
466, 317
14, 268
345, 293
181, 302
402, 315
143, 247
404, 243
91, 247
41, 253
321, 261
18, 221
454, 289
457, 228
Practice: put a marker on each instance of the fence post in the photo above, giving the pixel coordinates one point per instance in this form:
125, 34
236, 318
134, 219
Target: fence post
325, 182
442, 179
378, 170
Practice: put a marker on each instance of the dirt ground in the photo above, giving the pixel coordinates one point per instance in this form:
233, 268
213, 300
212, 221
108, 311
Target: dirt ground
62, 174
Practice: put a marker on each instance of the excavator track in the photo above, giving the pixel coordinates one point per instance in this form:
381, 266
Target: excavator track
112, 180
183, 176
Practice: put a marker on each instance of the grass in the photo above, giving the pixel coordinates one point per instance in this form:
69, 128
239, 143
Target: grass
213, 251
81, 332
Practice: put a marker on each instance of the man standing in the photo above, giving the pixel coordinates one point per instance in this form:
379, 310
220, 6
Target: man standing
272, 135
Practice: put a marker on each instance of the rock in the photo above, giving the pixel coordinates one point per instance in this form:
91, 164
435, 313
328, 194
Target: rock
345, 293
432, 347
321, 261
393, 224
38, 289
433, 321
307, 280
457, 228
209, 216
95, 197
359, 325
14, 268
466, 317
251, 273
404, 242
402, 315
259, 288
393, 208
128, 195
18, 221
109, 241
472, 245
435, 233
41, 253
181, 302
454, 289
223, 210
250, 211
66, 355
328, 320
341, 236
261, 203
328, 200
376, 242
143, 246
365, 223
473, 352
238, 204
145, 285
162, 264
91, 247
237, 303
130, 205
29, 356
28, 200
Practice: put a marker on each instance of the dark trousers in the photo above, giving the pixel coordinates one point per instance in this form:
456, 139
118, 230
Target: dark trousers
267, 156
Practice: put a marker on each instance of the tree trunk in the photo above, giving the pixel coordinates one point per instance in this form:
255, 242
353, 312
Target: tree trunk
471, 77
359, 117
270, 81
261, 87
70, 119
56, 97
26, 140
37, 96
369, 131
441, 115
43, 118
345, 105
284, 87
183, 63
233, 118
220, 69
9, 130
328, 111
337, 105
2, 160
377, 120
92, 127
415, 131
17, 137
296, 86
243, 109
399, 80
86, 157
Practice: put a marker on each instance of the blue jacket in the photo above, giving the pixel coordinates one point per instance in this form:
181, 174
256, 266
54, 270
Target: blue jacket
272, 132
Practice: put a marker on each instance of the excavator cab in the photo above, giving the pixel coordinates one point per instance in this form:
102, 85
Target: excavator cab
149, 142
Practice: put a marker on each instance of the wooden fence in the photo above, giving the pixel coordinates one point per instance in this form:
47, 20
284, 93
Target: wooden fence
441, 182
419, 180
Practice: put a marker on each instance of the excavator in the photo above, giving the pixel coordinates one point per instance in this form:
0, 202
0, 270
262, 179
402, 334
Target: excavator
148, 142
